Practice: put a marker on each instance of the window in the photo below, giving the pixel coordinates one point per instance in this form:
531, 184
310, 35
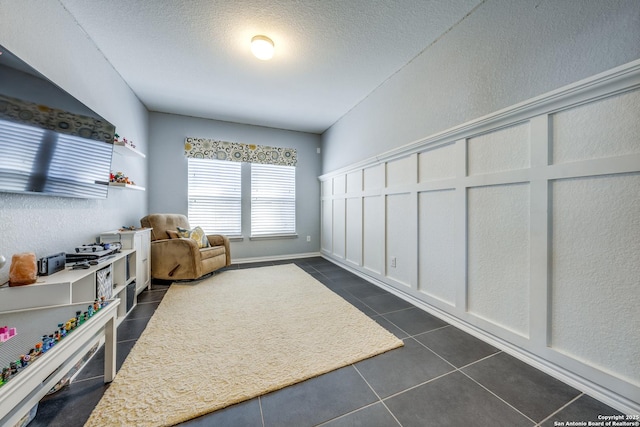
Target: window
215, 202
273, 199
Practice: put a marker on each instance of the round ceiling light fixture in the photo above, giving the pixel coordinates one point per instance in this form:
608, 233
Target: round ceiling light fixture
262, 47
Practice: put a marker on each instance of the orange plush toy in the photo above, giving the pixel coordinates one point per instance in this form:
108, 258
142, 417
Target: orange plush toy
24, 269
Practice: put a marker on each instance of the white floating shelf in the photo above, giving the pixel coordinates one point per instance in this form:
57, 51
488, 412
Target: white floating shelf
126, 150
123, 185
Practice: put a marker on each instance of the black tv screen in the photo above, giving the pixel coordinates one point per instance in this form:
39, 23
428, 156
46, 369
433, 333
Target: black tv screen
50, 143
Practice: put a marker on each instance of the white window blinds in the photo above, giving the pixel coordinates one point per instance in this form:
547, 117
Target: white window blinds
215, 196
273, 199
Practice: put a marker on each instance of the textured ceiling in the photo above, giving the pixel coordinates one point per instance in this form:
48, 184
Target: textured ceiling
192, 57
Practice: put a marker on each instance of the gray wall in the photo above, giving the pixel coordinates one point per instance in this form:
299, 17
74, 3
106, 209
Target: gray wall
45, 36
168, 172
505, 52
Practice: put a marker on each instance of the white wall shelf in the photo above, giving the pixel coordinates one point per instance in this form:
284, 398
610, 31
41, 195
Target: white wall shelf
128, 186
126, 150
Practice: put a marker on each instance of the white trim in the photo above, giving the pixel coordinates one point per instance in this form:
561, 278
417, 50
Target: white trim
275, 258
617, 80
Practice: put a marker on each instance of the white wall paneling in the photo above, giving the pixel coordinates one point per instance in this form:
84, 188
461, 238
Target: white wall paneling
338, 219
373, 238
498, 255
436, 245
326, 232
522, 226
354, 230
401, 239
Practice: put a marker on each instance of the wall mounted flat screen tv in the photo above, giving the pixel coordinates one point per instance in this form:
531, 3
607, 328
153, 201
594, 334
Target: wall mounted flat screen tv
50, 143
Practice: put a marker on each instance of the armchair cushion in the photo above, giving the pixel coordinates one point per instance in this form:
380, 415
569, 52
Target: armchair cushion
196, 234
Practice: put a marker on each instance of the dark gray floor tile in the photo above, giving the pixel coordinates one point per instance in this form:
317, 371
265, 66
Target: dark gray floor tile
390, 326
130, 329
71, 406
372, 416
317, 400
385, 303
355, 302
404, 367
306, 267
152, 296
95, 366
282, 262
318, 276
457, 347
531, 391
317, 261
245, 414
453, 400
143, 310
364, 290
339, 274
415, 321
328, 268
255, 264
344, 283
584, 409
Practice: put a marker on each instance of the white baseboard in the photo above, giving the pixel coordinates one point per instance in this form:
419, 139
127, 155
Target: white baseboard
274, 258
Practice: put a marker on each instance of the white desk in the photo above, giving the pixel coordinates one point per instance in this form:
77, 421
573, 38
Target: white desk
26, 388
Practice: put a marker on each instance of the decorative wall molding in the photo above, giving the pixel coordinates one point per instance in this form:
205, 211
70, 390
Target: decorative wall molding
519, 227
620, 79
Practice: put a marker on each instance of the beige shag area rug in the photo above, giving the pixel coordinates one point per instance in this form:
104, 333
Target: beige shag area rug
232, 337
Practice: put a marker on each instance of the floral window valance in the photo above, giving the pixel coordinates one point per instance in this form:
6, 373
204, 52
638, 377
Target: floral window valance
201, 148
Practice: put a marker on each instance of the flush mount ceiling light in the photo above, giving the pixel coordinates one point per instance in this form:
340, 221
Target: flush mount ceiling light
262, 47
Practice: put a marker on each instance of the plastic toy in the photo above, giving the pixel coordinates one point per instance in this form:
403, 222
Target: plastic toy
6, 333
48, 341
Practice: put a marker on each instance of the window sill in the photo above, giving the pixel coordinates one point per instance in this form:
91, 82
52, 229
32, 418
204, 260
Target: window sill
274, 236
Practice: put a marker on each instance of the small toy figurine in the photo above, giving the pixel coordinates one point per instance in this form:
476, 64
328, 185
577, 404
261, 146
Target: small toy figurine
6, 333
24, 360
6, 373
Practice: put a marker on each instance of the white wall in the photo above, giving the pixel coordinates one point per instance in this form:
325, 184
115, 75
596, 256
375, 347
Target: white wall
45, 36
168, 173
505, 52
521, 226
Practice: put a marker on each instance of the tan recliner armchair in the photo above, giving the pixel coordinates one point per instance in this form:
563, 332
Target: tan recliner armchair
180, 258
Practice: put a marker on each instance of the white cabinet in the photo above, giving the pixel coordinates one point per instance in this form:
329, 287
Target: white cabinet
140, 240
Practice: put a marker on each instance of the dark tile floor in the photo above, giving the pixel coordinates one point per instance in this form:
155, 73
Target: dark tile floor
441, 377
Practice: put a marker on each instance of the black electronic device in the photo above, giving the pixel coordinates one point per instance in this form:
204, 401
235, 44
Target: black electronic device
51, 264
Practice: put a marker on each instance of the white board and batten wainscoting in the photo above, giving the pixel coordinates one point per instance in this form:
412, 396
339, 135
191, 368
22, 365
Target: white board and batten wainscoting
521, 227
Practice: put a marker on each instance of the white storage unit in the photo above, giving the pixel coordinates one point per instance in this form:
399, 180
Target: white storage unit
140, 240
73, 286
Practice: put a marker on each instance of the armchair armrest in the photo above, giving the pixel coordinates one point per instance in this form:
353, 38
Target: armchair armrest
220, 240
174, 259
